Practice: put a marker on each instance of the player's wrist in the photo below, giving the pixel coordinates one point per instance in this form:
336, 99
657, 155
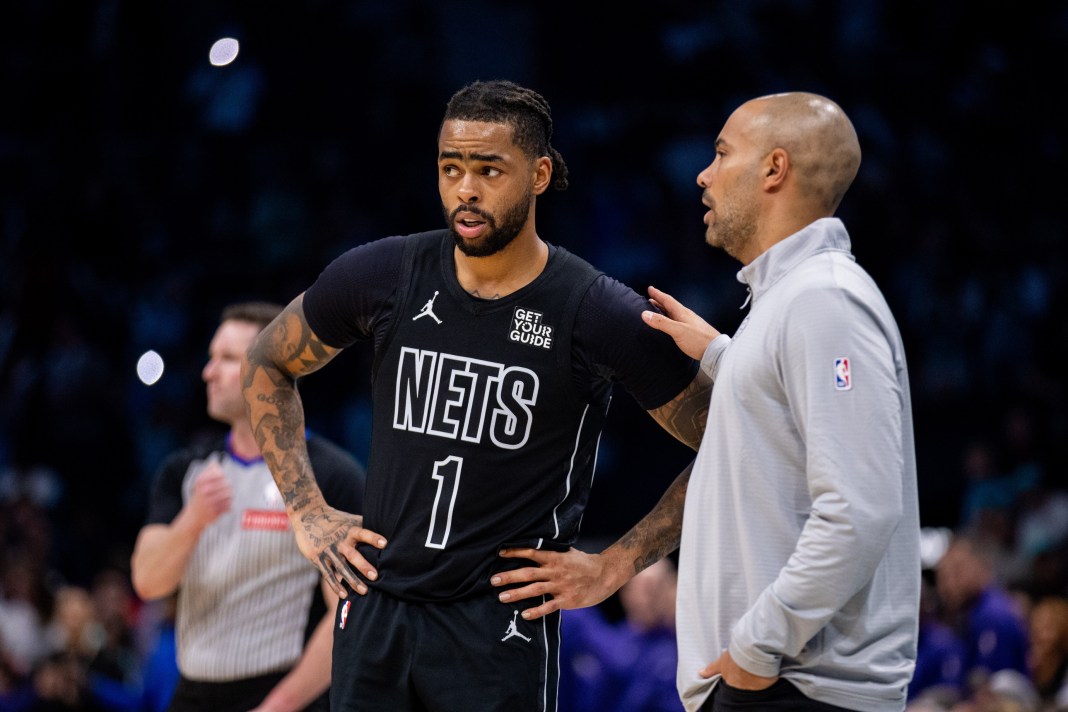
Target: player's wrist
309, 502
617, 567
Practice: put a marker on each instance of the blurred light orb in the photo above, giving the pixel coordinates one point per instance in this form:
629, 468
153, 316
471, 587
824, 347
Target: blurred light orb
149, 367
934, 541
223, 51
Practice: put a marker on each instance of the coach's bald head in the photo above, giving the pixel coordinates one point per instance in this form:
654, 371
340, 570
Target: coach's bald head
819, 138
782, 162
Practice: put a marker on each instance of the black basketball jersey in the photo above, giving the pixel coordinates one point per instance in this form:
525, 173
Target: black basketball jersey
481, 438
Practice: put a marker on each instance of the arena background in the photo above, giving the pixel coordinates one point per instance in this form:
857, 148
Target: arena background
142, 189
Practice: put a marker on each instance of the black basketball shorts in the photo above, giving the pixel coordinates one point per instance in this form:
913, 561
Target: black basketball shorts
392, 655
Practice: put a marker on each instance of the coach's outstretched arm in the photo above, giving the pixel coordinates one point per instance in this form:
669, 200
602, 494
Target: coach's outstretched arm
283, 352
576, 579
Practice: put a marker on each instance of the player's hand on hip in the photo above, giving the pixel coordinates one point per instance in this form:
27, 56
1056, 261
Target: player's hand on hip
691, 333
573, 579
212, 494
328, 538
735, 676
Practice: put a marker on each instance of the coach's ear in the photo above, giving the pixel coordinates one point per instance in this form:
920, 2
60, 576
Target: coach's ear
776, 169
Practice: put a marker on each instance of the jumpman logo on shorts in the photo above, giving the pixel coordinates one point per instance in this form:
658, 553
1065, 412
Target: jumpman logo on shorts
428, 309
513, 631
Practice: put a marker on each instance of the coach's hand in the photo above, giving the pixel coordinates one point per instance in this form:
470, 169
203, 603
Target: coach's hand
691, 333
328, 538
737, 677
573, 579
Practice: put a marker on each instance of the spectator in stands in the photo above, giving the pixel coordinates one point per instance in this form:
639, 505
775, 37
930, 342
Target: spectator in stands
1048, 656
979, 607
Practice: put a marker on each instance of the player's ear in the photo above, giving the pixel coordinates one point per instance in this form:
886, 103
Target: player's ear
543, 174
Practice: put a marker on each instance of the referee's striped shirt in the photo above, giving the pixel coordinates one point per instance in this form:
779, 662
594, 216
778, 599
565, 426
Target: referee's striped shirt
248, 599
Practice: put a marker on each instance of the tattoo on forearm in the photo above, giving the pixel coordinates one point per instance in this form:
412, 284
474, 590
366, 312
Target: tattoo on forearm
659, 532
286, 455
285, 350
685, 415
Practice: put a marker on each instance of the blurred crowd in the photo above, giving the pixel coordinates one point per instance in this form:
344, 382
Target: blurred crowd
142, 189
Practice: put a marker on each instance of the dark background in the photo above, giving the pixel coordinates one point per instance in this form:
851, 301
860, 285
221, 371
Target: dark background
142, 189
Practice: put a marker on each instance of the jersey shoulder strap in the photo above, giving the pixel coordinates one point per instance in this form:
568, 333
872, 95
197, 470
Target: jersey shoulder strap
580, 275
414, 245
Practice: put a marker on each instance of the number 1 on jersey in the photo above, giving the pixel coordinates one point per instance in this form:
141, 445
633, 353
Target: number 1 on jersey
447, 473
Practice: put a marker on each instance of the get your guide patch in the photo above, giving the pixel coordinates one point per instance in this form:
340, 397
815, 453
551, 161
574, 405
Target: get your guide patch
528, 327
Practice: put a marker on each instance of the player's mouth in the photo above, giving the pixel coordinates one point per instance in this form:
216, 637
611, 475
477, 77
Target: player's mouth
469, 226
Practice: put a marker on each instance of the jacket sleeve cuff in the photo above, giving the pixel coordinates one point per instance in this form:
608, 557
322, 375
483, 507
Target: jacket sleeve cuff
764, 665
713, 352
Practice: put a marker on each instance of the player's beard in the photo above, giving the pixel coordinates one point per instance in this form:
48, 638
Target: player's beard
499, 235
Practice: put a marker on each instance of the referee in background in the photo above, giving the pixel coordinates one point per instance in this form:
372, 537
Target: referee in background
254, 623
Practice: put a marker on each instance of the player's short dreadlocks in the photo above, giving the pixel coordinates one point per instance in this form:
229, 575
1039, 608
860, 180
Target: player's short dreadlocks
525, 110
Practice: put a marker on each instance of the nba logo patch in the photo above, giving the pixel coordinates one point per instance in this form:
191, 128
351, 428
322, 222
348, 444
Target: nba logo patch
843, 379
344, 614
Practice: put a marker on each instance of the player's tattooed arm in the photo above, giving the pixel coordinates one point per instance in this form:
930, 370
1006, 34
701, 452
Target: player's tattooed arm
576, 579
684, 416
659, 532
285, 350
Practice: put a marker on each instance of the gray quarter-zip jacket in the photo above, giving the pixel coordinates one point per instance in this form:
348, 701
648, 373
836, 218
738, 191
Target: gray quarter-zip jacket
800, 539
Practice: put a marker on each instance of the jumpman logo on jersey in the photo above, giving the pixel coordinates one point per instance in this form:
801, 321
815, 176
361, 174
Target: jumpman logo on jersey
428, 309
513, 631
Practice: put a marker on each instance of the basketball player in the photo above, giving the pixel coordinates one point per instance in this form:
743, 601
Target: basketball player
495, 356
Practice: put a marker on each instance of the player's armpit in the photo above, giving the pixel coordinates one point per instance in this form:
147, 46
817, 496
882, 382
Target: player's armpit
684, 416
